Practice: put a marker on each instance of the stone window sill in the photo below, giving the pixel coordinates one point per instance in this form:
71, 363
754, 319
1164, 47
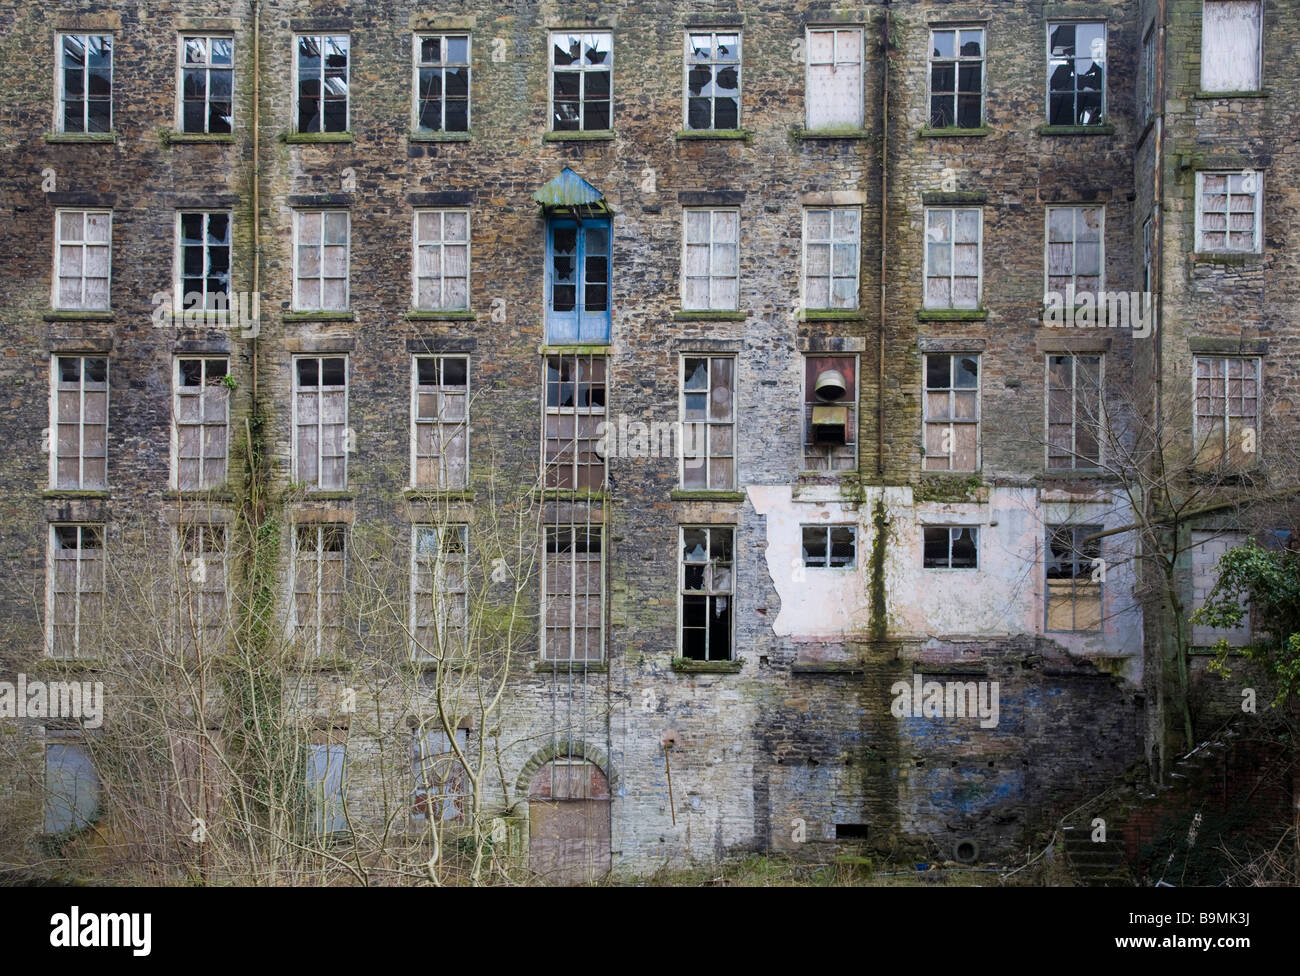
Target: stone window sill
318, 316
685, 665
1256, 93
706, 495
953, 132
847, 132
694, 135
1101, 129
171, 137
710, 315
432, 136
952, 314
576, 667
316, 137
439, 494
441, 315
576, 349
832, 315
102, 137
1241, 259
76, 493
602, 135
79, 314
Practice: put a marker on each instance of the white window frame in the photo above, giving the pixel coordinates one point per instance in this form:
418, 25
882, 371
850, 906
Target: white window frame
1149, 52
444, 480
193, 576
294, 107
320, 423
590, 528
201, 391
82, 484
439, 246
329, 809
60, 91
50, 574
1076, 463
1224, 449
836, 29
1104, 118
713, 63
320, 277
1259, 51
705, 442
951, 392
317, 558
952, 530
178, 273
552, 68
1258, 233
952, 263
416, 64
1078, 531
84, 243
957, 60
709, 592
579, 360
1077, 210
446, 592
826, 528
712, 244
207, 67
833, 242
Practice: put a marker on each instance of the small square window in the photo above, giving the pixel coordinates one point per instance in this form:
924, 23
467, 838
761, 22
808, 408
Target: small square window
951, 547
830, 546
1226, 425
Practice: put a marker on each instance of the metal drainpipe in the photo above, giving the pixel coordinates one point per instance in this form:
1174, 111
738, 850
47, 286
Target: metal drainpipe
884, 243
257, 160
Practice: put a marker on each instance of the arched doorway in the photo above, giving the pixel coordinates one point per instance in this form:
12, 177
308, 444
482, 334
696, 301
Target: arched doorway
569, 821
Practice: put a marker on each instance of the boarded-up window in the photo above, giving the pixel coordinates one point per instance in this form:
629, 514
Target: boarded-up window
439, 591
202, 415
830, 413
569, 822
834, 97
711, 264
71, 787
708, 584
442, 259
201, 587
952, 411
81, 422
441, 783
1230, 45
1075, 238
575, 592
326, 785
830, 257
1227, 411
441, 410
82, 259
75, 603
708, 428
1073, 412
1228, 211
318, 575
1207, 549
320, 406
575, 415
1074, 578
953, 258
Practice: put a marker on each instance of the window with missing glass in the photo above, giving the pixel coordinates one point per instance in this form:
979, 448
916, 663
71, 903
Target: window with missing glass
207, 84
582, 70
830, 546
950, 547
85, 83
1074, 578
712, 80
952, 412
440, 437
316, 613
442, 70
1074, 421
573, 431
1076, 73
74, 602
574, 596
707, 588
957, 78
708, 427
439, 592
321, 82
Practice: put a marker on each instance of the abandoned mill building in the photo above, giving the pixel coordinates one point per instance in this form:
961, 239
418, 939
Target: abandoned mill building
704, 356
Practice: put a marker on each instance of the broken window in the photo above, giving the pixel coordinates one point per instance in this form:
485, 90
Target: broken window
708, 428
1231, 31
953, 257
575, 590
1228, 211
1075, 262
1074, 412
201, 587
440, 448
707, 585
830, 413
85, 83
439, 591
202, 412
320, 270
577, 280
441, 260
71, 787
1076, 73
207, 84
442, 82
80, 456
75, 602
326, 783
952, 412
581, 71
441, 784
574, 422
834, 85
831, 257
203, 268
713, 80
1227, 411
321, 81
1074, 578
711, 265
1149, 74
950, 547
320, 420
830, 546
957, 78
82, 259
319, 556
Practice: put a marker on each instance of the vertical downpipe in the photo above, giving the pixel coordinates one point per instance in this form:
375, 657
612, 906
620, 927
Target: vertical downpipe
884, 242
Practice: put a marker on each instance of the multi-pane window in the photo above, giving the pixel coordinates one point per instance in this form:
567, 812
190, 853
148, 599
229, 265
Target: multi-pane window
711, 263
203, 268
440, 445
207, 84
831, 257
202, 413
320, 420
708, 438
1149, 74
950, 547
326, 782
582, 68
441, 786
1148, 256
575, 415
81, 258
1074, 420
75, 603
1075, 573
442, 82
1076, 73
707, 583
1227, 410
957, 78
85, 83
577, 280
574, 599
834, 86
320, 270
1229, 211
830, 546
952, 412
1074, 255
953, 257
321, 74
441, 260
830, 422
713, 80
439, 591
80, 442
1231, 31
201, 586
71, 788
316, 614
